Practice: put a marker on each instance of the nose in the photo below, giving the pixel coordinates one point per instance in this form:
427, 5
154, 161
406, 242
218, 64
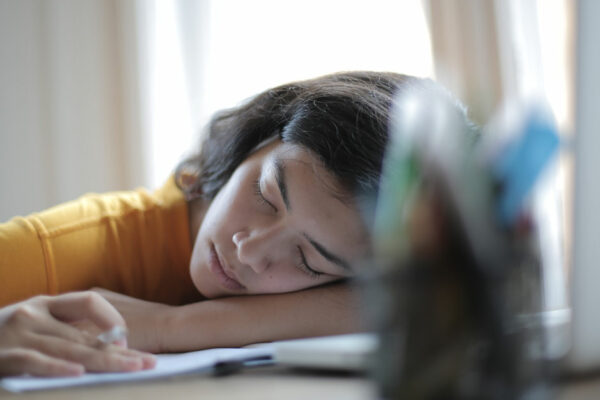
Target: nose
260, 248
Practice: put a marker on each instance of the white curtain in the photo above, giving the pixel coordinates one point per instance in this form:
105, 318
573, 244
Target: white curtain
69, 120
94, 97
101, 95
495, 53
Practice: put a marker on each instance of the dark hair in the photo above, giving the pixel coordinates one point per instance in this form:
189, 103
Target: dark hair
341, 118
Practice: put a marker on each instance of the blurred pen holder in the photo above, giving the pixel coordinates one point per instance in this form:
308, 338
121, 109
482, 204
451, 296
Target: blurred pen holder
457, 294
451, 329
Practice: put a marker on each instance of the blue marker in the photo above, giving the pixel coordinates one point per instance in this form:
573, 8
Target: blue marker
518, 167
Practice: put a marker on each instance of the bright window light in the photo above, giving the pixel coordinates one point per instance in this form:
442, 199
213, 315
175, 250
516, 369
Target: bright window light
171, 127
263, 43
249, 46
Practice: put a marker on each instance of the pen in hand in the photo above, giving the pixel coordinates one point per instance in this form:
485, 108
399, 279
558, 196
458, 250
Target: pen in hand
116, 335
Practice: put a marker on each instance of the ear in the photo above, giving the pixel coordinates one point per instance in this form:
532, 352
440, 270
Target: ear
188, 181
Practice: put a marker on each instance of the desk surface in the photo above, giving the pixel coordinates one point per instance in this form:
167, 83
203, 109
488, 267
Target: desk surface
262, 383
269, 383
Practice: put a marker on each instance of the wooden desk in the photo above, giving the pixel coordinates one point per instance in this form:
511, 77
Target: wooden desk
270, 383
264, 383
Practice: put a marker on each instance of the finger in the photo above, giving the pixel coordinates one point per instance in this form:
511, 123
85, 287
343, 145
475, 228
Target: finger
108, 359
33, 318
42, 322
51, 327
39, 341
17, 361
81, 305
148, 360
48, 325
101, 345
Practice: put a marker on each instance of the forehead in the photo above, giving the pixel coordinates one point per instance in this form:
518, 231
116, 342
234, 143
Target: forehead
318, 203
302, 164
303, 170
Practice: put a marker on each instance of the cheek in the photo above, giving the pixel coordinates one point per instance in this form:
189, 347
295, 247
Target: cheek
198, 265
229, 210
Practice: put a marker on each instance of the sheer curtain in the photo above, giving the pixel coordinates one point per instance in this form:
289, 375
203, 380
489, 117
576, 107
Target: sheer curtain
93, 98
68, 105
102, 95
216, 53
496, 53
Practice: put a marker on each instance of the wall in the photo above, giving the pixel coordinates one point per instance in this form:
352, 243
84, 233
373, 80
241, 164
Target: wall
62, 122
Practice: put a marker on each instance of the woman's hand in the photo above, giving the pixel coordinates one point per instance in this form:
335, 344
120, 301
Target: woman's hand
146, 320
38, 337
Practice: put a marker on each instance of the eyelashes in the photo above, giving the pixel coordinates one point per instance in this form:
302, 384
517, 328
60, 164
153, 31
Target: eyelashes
303, 266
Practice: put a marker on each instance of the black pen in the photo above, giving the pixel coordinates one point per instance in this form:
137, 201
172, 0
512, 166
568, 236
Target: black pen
224, 368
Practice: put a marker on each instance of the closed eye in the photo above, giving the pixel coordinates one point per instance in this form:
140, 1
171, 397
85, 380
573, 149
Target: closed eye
303, 266
261, 198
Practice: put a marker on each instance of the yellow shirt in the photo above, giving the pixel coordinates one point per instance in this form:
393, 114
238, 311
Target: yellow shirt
134, 242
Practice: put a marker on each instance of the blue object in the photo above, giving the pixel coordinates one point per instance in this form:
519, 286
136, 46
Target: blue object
520, 165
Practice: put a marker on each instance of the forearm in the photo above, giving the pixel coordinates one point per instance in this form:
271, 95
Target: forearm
237, 321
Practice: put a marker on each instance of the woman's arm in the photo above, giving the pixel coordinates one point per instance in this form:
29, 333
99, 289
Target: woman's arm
237, 321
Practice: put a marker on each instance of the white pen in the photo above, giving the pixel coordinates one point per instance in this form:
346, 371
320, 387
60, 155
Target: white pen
116, 334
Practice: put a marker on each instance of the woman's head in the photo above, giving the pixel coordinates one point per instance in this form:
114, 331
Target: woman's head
341, 118
281, 178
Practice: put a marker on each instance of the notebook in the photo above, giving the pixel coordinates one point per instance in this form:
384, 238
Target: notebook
351, 352
167, 365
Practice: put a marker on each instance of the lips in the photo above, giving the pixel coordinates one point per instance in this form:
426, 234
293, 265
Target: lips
225, 278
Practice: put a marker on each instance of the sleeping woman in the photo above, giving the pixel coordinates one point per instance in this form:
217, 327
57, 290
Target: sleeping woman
251, 240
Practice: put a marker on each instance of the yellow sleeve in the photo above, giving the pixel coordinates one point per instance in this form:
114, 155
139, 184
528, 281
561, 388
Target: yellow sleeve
132, 242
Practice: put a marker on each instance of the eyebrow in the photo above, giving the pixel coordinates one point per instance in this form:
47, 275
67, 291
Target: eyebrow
282, 185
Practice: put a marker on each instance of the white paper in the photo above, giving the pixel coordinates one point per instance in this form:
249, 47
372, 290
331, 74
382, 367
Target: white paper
166, 365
